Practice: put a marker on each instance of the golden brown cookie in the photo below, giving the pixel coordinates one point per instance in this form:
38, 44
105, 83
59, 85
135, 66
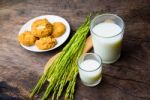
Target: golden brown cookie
58, 29
41, 28
26, 38
46, 43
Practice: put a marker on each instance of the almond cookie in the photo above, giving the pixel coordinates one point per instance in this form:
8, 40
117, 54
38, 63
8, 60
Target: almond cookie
58, 29
41, 28
26, 38
46, 43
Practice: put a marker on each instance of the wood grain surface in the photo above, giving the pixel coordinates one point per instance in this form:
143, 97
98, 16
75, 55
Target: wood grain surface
127, 79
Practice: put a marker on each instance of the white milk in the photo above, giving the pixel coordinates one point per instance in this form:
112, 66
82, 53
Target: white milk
90, 72
107, 41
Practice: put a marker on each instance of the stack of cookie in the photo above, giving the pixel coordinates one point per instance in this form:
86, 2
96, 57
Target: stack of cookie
43, 34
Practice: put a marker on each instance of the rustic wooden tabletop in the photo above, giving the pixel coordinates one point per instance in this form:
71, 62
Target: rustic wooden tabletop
127, 79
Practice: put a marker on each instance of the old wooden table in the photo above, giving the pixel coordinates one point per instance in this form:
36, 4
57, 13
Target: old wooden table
127, 79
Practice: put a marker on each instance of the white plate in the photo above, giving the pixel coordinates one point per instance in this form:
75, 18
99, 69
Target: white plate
51, 19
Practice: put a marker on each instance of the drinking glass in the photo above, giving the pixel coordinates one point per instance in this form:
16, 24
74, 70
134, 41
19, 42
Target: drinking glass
90, 75
108, 48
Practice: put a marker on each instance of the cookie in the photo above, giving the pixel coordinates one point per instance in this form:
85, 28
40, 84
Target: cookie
46, 43
26, 38
58, 29
41, 28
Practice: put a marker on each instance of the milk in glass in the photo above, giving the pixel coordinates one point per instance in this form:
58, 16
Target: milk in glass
90, 69
107, 38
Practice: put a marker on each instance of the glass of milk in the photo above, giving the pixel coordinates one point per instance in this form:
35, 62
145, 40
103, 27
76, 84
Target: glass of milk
90, 69
107, 33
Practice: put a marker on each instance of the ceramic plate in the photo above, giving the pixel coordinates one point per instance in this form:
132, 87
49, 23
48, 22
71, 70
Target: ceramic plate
51, 19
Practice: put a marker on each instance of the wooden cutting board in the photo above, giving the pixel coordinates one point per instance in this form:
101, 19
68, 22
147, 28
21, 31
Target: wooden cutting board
88, 46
